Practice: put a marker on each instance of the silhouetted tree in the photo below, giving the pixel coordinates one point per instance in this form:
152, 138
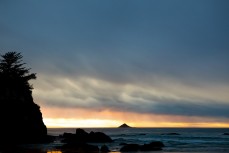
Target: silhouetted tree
12, 68
20, 118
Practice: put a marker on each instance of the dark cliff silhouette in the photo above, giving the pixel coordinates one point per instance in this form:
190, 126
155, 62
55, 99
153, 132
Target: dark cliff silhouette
20, 118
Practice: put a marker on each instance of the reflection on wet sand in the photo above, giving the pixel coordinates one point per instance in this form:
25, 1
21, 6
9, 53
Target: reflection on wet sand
54, 151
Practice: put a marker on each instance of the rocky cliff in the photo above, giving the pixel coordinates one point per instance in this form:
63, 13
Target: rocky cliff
20, 118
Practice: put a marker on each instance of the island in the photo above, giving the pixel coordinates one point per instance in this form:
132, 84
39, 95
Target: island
124, 126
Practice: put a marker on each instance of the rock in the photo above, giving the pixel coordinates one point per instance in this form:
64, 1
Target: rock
153, 146
157, 144
142, 134
78, 141
98, 137
124, 126
21, 122
83, 137
130, 147
67, 135
104, 148
68, 138
81, 133
170, 134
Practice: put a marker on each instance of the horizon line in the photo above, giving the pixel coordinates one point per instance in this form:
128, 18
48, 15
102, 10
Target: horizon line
137, 127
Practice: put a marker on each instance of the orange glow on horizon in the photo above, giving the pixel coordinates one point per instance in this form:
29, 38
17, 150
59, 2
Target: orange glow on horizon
96, 123
72, 117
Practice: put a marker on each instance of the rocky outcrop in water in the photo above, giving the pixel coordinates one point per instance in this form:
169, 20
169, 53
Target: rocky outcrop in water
124, 126
78, 141
82, 136
170, 134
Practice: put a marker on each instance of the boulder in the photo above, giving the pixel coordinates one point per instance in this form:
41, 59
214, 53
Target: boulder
69, 138
67, 135
130, 147
81, 133
98, 137
83, 137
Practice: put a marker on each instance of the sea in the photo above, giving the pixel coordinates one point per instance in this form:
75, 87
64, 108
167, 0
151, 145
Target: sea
175, 139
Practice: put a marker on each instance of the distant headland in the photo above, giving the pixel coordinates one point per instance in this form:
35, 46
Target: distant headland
124, 126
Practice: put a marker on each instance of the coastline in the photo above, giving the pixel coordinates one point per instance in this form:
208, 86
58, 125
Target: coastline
176, 140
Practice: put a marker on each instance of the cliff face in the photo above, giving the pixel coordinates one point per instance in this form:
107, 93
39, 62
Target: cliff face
20, 118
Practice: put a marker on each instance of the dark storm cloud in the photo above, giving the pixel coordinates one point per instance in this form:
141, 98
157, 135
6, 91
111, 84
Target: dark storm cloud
124, 42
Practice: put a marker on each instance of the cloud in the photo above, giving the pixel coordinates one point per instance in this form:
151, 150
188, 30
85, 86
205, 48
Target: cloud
153, 57
168, 98
77, 117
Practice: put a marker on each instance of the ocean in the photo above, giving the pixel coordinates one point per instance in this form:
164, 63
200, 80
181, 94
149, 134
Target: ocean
175, 139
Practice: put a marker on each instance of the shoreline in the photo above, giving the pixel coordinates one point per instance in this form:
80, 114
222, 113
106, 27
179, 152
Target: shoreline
176, 140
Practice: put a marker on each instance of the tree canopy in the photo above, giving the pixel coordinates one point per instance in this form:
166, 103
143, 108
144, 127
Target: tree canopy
12, 69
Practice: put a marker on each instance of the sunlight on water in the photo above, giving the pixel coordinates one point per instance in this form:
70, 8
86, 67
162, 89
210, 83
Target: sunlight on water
54, 151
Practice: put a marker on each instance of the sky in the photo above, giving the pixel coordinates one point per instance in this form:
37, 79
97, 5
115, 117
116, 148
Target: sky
101, 63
